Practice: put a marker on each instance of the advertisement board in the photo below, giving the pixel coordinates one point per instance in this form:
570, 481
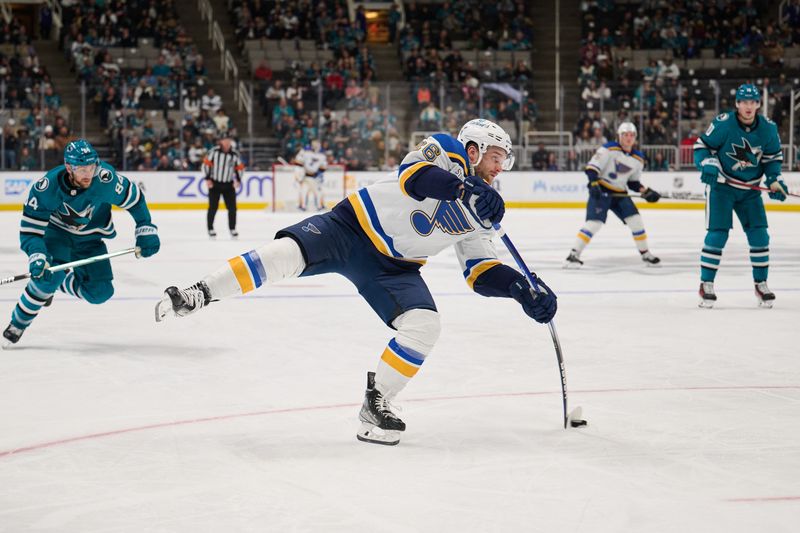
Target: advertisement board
187, 190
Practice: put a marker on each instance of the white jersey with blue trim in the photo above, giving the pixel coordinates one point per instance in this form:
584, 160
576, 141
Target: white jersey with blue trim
616, 167
313, 162
412, 230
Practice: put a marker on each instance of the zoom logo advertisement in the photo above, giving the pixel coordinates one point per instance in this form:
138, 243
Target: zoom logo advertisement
253, 186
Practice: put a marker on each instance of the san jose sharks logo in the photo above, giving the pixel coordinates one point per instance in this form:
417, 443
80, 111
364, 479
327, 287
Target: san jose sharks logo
746, 155
74, 219
448, 217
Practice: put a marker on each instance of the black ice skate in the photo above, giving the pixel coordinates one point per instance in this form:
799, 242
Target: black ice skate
12, 335
379, 425
649, 258
572, 260
183, 302
212, 234
234, 234
765, 296
707, 295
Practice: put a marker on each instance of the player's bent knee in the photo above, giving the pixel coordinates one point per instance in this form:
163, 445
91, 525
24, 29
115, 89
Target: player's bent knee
418, 329
635, 223
97, 293
716, 238
282, 259
593, 226
757, 237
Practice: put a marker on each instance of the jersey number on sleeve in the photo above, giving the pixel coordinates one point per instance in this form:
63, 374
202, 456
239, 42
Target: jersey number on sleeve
431, 152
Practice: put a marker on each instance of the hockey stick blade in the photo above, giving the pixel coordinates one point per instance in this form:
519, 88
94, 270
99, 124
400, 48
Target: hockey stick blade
575, 418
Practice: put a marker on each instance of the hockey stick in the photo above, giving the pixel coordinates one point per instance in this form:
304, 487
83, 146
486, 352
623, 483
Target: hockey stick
753, 187
667, 196
80, 262
575, 415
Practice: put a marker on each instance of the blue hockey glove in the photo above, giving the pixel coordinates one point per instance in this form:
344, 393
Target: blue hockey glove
650, 195
777, 193
540, 306
488, 203
37, 266
709, 175
147, 239
597, 191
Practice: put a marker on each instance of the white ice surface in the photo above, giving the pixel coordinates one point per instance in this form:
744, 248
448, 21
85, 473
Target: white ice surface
243, 417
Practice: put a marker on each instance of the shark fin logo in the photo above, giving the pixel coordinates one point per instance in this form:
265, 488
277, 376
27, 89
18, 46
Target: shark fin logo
745, 156
74, 219
448, 217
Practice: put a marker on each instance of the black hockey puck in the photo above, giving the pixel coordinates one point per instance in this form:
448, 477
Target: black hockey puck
576, 423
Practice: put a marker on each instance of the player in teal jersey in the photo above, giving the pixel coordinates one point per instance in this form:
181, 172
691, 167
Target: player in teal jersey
739, 145
65, 218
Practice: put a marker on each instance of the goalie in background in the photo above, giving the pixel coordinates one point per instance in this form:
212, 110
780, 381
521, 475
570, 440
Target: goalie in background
313, 162
65, 218
613, 169
379, 238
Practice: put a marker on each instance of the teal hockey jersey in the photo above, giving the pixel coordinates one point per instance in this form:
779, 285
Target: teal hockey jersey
83, 213
745, 153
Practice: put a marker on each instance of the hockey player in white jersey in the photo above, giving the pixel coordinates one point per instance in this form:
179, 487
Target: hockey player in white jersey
379, 238
313, 163
615, 168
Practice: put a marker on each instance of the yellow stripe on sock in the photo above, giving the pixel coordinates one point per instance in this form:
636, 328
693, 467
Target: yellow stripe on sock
641, 237
391, 359
242, 273
584, 237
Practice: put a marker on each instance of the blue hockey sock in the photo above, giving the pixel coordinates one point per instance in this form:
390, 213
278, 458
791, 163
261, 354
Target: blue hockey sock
711, 256
758, 238
70, 286
31, 301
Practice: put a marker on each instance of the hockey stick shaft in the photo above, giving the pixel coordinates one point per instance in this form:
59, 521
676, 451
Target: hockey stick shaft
80, 262
667, 196
551, 326
756, 187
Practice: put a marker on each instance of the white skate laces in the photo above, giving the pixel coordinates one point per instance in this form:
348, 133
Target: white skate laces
183, 302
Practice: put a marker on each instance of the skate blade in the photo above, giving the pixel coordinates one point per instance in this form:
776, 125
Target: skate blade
766, 304
706, 304
163, 308
374, 435
569, 265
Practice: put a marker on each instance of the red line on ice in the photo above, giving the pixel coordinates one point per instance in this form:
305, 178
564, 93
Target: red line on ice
174, 423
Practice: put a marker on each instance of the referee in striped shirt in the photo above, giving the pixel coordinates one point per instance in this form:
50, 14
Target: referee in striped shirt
223, 170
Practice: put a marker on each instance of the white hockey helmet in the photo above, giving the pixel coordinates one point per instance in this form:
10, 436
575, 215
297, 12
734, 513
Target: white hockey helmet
626, 127
486, 133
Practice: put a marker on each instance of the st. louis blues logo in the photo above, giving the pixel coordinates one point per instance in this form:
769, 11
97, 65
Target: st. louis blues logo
448, 217
621, 168
745, 156
74, 219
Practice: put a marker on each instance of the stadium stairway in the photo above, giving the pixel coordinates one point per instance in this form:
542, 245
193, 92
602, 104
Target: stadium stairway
197, 29
389, 69
543, 63
66, 86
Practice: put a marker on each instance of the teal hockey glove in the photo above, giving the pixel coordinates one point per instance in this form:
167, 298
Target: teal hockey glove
778, 188
37, 266
147, 239
709, 175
